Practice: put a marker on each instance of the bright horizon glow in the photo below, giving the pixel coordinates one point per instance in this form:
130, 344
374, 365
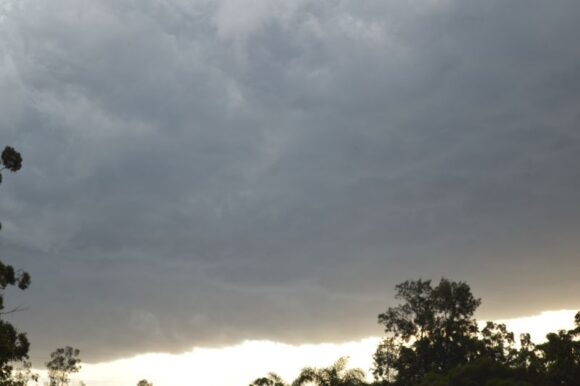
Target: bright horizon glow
539, 325
240, 364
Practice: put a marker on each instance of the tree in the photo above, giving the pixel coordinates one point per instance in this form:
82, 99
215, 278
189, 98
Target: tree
497, 343
432, 339
433, 330
22, 375
386, 355
14, 345
482, 372
144, 382
560, 355
272, 379
528, 357
335, 375
63, 362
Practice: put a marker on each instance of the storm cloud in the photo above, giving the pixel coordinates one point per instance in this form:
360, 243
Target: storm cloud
203, 172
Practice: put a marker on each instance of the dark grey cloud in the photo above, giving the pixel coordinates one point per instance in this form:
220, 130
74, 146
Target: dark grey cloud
201, 172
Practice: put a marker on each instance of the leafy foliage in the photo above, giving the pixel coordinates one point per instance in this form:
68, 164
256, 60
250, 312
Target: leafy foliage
11, 159
14, 345
433, 330
561, 355
272, 379
63, 362
335, 375
432, 338
483, 372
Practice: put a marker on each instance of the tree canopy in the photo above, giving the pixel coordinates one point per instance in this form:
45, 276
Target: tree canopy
432, 338
63, 362
432, 330
335, 375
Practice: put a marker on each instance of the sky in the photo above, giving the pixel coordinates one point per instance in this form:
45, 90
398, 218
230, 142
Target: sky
248, 360
203, 173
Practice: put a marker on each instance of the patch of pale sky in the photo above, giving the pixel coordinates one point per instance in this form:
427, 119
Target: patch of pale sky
240, 364
6, 6
539, 325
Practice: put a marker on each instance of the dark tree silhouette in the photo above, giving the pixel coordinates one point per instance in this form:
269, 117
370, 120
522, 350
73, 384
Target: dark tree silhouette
483, 372
497, 343
11, 159
63, 362
272, 379
560, 355
14, 345
335, 375
433, 330
432, 338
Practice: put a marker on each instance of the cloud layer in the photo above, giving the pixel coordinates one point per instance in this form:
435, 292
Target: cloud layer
202, 172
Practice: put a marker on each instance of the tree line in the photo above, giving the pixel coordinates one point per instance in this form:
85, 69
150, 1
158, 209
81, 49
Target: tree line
433, 339
430, 339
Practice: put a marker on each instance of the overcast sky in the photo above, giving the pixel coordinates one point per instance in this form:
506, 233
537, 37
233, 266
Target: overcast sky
201, 172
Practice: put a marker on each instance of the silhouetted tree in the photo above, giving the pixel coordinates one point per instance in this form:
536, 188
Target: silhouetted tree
63, 362
497, 343
433, 330
529, 357
432, 339
22, 375
560, 355
14, 345
144, 382
482, 372
335, 375
272, 379
387, 355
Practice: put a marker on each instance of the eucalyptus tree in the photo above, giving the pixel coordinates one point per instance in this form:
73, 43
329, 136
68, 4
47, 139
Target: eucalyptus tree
63, 362
335, 375
14, 345
432, 330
